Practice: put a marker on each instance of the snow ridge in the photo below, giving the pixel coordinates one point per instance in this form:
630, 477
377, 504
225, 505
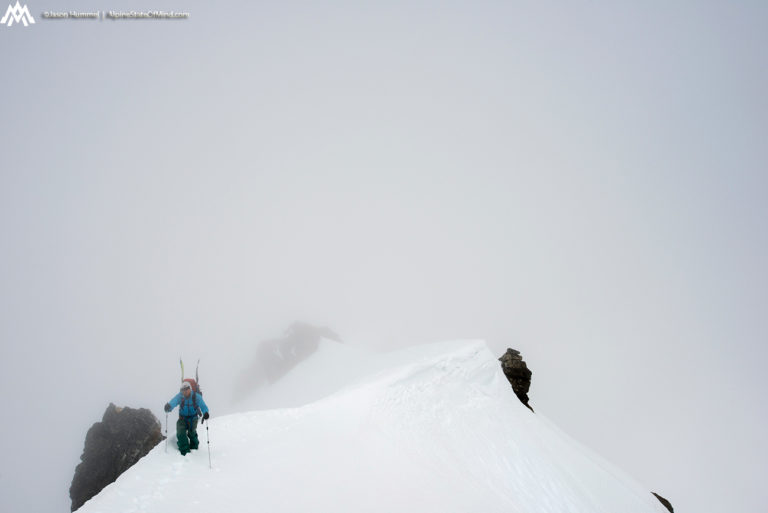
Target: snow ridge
433, 428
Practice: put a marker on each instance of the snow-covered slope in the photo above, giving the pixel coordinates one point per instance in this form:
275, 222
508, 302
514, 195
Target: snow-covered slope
431, 429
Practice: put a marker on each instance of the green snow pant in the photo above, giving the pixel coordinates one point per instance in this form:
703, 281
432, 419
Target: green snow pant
186, 434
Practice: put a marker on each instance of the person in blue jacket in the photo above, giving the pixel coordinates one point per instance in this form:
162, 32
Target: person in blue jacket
191, 406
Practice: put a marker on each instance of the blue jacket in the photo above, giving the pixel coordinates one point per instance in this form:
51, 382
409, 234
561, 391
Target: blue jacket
187, 409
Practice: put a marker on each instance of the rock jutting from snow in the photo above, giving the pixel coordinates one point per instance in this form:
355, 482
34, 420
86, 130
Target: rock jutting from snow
112, 446
665, 502
518, 374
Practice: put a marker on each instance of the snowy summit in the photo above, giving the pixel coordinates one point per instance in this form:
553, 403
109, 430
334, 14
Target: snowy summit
434, 428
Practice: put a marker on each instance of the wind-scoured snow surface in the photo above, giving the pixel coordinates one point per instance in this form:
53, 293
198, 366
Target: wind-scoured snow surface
433, 428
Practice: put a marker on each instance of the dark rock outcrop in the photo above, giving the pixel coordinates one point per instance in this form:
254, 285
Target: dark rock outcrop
276, 357
518, 374
664, 501
112, 446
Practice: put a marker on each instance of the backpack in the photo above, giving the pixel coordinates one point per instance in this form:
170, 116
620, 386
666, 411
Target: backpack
194, 385
196, 390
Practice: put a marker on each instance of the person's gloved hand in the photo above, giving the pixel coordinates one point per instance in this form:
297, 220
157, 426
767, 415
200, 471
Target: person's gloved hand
206, 416
167, 407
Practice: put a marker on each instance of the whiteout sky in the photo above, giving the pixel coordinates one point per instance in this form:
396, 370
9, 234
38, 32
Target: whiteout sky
585, 183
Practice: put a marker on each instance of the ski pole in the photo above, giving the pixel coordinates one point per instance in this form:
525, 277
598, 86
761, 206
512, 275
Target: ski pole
208, 441
166, 431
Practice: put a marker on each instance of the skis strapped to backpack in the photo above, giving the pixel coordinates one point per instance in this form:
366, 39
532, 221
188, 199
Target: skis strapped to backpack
194, 383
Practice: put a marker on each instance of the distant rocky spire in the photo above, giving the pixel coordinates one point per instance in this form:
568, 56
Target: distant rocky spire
275, 357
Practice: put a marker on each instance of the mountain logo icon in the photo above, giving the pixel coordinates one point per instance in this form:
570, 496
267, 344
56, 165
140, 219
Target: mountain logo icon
17, 13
